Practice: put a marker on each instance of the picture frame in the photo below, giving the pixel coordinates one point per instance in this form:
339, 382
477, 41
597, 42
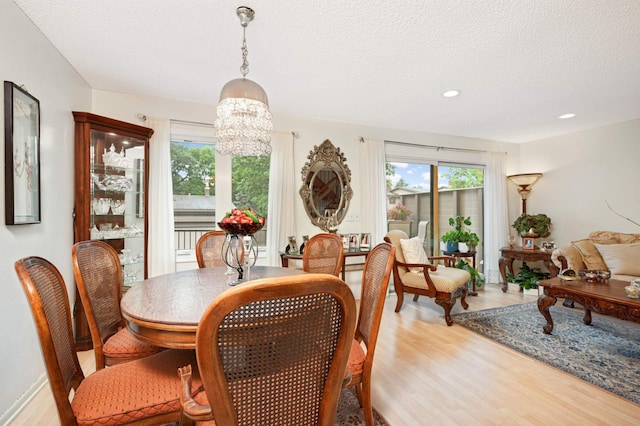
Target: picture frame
354, 242
345, 241
292, 247
548, 245
528, 243
22, 156
365, 241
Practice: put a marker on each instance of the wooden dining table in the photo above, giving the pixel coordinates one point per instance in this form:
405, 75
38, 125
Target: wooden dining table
165, 310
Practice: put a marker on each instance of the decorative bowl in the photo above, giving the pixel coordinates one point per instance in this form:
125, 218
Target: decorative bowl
240, 228
633, 289
604, 276
590, 275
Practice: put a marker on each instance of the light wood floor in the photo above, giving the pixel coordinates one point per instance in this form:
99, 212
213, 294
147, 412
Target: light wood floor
426, 373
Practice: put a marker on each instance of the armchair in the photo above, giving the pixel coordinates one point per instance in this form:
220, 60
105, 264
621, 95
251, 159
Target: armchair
443, 282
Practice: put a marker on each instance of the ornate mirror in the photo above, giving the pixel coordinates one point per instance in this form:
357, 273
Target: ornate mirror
326, 186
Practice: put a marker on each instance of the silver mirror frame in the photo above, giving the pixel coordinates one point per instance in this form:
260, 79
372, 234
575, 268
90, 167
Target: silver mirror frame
326, 158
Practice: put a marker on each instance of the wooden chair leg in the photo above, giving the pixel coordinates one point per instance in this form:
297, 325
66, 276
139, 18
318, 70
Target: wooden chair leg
367, 406
447, 304
415, 297
400, 295
463, 299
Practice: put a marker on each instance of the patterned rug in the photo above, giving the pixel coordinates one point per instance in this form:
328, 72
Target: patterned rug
350, 413
605, 354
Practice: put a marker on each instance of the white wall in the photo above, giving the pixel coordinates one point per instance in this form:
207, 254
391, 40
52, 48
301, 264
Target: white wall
580, 172
28, 58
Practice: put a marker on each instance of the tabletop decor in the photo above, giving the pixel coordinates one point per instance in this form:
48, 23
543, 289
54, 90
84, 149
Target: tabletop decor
21, 155
240, 249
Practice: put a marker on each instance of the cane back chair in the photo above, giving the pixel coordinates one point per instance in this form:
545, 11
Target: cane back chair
273, 351
144, 391
375, 281
98, 274
323, 254
209, 249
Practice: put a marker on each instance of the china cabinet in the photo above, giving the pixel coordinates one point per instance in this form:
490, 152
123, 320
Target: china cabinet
111, 181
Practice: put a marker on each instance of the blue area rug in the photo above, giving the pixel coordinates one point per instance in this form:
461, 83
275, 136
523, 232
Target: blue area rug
605, 354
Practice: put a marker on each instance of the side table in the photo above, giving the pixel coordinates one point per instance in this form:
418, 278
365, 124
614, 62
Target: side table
472, 256
509, 254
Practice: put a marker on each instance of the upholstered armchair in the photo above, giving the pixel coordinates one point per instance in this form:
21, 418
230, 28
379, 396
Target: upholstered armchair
415, 273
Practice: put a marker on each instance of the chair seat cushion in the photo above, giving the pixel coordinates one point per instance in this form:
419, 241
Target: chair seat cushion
134, 390
123, 344
356, 358
444, 279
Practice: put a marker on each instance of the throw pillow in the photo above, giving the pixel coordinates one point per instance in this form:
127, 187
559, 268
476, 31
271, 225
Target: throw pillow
621, 259
414, 252
590, 255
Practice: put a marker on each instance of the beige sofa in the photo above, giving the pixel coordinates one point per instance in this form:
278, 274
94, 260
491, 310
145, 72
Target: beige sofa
602, 250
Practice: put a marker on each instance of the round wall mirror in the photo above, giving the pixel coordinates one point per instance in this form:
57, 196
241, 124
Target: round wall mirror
326, 186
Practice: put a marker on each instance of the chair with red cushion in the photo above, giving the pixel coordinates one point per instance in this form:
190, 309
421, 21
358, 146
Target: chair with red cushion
143, 391
323, 254
273, 352
375, 281
98, 275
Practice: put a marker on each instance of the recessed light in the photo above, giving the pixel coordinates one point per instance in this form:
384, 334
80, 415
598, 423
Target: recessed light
451, 93
563, 116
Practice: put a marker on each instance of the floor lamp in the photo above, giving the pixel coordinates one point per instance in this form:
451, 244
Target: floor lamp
524, 182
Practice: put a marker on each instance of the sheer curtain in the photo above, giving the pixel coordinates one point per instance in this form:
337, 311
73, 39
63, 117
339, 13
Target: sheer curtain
496, 226
373, 183
282, 193
161, 255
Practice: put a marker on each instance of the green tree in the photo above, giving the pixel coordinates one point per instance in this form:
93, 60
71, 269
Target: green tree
465, 178
250, 183
190, 167
390, 171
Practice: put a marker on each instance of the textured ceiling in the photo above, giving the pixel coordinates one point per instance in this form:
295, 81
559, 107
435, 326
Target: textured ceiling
518, 63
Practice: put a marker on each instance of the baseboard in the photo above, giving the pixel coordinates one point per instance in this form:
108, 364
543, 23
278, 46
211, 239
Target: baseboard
20, 404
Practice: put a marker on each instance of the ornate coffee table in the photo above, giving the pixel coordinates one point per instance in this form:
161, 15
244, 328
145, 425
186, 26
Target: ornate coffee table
603, 298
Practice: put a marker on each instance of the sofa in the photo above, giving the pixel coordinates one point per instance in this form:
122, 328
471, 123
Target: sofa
615, 252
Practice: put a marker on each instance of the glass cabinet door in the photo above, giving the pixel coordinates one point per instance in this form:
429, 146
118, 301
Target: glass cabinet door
117, 198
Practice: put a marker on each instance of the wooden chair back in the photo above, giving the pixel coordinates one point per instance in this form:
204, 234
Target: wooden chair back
98, 273
209, 249
47, 295
274, 351
323, 254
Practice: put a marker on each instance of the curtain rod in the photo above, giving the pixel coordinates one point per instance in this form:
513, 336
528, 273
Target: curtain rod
437, 148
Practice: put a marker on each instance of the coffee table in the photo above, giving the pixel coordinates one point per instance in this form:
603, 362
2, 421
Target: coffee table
603, 298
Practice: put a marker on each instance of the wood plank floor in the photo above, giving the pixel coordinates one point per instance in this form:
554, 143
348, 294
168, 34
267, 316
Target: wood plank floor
426, 373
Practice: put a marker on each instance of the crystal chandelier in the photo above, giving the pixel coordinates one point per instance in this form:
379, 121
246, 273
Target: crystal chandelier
243, 124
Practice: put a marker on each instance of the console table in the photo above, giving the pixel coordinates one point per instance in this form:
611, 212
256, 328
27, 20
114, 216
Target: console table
509, 254
472, 256
284, 258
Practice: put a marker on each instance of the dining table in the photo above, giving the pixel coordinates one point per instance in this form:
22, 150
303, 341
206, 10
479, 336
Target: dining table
165, 310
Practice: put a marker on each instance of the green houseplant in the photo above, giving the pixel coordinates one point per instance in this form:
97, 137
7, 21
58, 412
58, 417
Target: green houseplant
539, 223
528, 277
458, 234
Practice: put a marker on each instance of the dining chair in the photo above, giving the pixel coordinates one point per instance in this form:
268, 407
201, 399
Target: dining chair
273, 351
375, 281
143, 391
209, 249
98, 274
323, 254
416, 273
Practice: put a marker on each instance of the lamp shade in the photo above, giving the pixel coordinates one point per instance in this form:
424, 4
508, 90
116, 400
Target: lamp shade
525, 180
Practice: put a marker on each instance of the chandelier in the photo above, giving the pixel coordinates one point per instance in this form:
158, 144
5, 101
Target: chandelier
243, 124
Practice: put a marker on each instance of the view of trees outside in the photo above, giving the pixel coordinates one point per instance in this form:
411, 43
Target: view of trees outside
192, 164
418, 176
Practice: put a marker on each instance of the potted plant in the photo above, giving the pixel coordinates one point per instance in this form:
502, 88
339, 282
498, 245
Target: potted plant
528, 277
538, 224
458, 234
475, 275
398, 212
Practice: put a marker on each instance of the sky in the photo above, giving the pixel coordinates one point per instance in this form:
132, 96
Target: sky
416, 175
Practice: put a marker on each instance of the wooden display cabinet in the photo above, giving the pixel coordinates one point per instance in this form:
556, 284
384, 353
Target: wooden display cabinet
111, 179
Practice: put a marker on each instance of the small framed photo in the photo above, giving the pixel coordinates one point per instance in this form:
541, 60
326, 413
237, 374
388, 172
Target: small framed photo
292, 248
365, 241
345, 241
528, 243
354, 243
548, 245
21, 156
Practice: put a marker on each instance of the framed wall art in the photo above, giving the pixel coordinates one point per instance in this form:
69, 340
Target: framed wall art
21, 155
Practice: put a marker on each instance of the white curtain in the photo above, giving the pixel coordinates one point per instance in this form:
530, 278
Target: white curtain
161, 255
373, 184
282, 195
496, 226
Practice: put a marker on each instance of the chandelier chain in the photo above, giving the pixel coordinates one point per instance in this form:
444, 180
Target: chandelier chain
244, 69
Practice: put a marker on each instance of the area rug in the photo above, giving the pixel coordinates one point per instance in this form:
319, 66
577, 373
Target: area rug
605, 354
350, 413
